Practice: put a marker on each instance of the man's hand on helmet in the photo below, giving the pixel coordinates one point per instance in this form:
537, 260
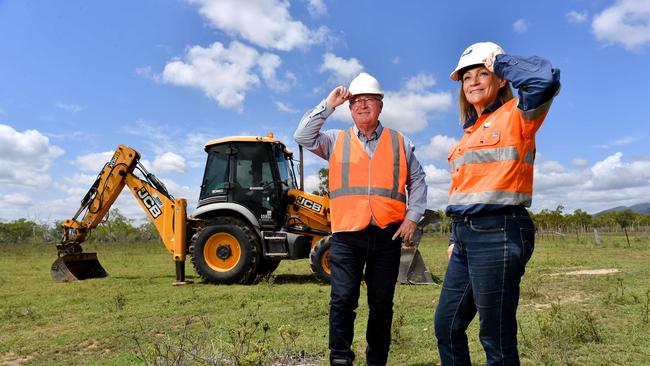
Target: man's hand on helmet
338, 96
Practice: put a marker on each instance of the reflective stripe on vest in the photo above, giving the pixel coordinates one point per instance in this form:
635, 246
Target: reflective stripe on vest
486, 156
356, 191
363, 189
492, 197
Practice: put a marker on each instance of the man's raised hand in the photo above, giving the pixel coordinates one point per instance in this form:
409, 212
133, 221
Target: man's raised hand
338, 96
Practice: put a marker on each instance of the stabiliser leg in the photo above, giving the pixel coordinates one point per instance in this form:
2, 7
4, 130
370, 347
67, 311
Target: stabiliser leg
180, 274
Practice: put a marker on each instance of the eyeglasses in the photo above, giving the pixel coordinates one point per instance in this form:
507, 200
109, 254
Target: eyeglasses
361, 101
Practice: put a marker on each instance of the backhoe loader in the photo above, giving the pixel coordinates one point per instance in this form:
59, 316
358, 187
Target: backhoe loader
251, 214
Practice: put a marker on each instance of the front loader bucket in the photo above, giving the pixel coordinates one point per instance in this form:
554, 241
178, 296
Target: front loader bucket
77, 267
412, 269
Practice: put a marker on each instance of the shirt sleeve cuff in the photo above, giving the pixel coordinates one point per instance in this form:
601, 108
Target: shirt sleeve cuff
324, 109
413, 216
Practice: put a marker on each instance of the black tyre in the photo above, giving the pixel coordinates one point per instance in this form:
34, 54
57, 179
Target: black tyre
318, 260
226, 251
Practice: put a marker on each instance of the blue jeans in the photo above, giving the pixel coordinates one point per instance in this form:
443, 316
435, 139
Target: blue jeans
349, 253
483, 276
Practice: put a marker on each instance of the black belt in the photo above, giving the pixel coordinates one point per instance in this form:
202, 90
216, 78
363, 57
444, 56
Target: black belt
508, 210
375, 228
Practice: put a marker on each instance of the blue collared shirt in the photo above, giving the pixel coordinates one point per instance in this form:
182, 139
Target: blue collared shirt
309, 135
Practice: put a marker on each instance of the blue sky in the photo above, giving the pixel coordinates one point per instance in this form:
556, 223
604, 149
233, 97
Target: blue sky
78, 78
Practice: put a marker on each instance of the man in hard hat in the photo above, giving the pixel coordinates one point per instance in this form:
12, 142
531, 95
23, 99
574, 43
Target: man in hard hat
372, 168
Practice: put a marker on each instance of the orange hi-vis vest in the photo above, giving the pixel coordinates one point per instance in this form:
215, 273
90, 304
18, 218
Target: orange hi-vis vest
362, 189
493, 162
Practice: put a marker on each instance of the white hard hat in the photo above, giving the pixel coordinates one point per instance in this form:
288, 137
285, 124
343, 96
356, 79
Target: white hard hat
474, 55
365, 84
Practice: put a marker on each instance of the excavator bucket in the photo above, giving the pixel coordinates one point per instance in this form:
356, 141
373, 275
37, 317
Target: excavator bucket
77, 267
412, 269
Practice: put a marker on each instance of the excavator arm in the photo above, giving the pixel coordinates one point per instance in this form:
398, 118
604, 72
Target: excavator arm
168, 214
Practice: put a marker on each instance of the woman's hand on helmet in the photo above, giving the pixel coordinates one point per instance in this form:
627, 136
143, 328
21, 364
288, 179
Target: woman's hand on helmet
491, 57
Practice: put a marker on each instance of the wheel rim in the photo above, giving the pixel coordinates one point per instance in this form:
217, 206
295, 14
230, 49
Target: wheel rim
324, 262
222, 252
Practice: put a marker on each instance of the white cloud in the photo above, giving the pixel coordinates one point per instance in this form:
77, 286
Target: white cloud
420, 82
608, 183
437, 149
190, 193
17, 199
148, 73
407, 110
437, 197
224, 74
268, 64
580, 162
438, 181
291, 77
170, 162
76, 185
520, 25
311, 160
437, 176
618, 142
24, 145
25, 157
576, 17
93, 162
311, 182
343, 70
72, 108
626, 22
551, 175
159, 138
625, 141
396, 60
285, 108
613, 172
316, 8
266, 23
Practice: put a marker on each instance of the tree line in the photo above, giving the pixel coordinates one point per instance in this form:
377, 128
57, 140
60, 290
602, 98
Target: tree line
115, 227
556, 223
550, 224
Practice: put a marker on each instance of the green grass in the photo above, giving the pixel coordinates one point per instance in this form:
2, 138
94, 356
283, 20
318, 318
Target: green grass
137, 317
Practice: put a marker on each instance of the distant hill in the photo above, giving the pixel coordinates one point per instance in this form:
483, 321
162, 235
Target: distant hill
643, 208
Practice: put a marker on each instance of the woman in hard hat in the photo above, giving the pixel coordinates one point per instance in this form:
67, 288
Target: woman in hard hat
492, 235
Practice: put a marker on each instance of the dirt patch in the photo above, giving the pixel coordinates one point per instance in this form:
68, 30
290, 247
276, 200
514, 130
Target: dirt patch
12, 359
89, 344
576, 297
562, 299
589, 272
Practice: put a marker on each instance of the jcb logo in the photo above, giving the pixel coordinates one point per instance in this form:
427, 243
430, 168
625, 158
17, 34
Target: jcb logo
302, 201
149, 202
114, 159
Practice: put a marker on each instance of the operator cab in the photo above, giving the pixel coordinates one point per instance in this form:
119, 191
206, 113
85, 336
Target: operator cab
254, 172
